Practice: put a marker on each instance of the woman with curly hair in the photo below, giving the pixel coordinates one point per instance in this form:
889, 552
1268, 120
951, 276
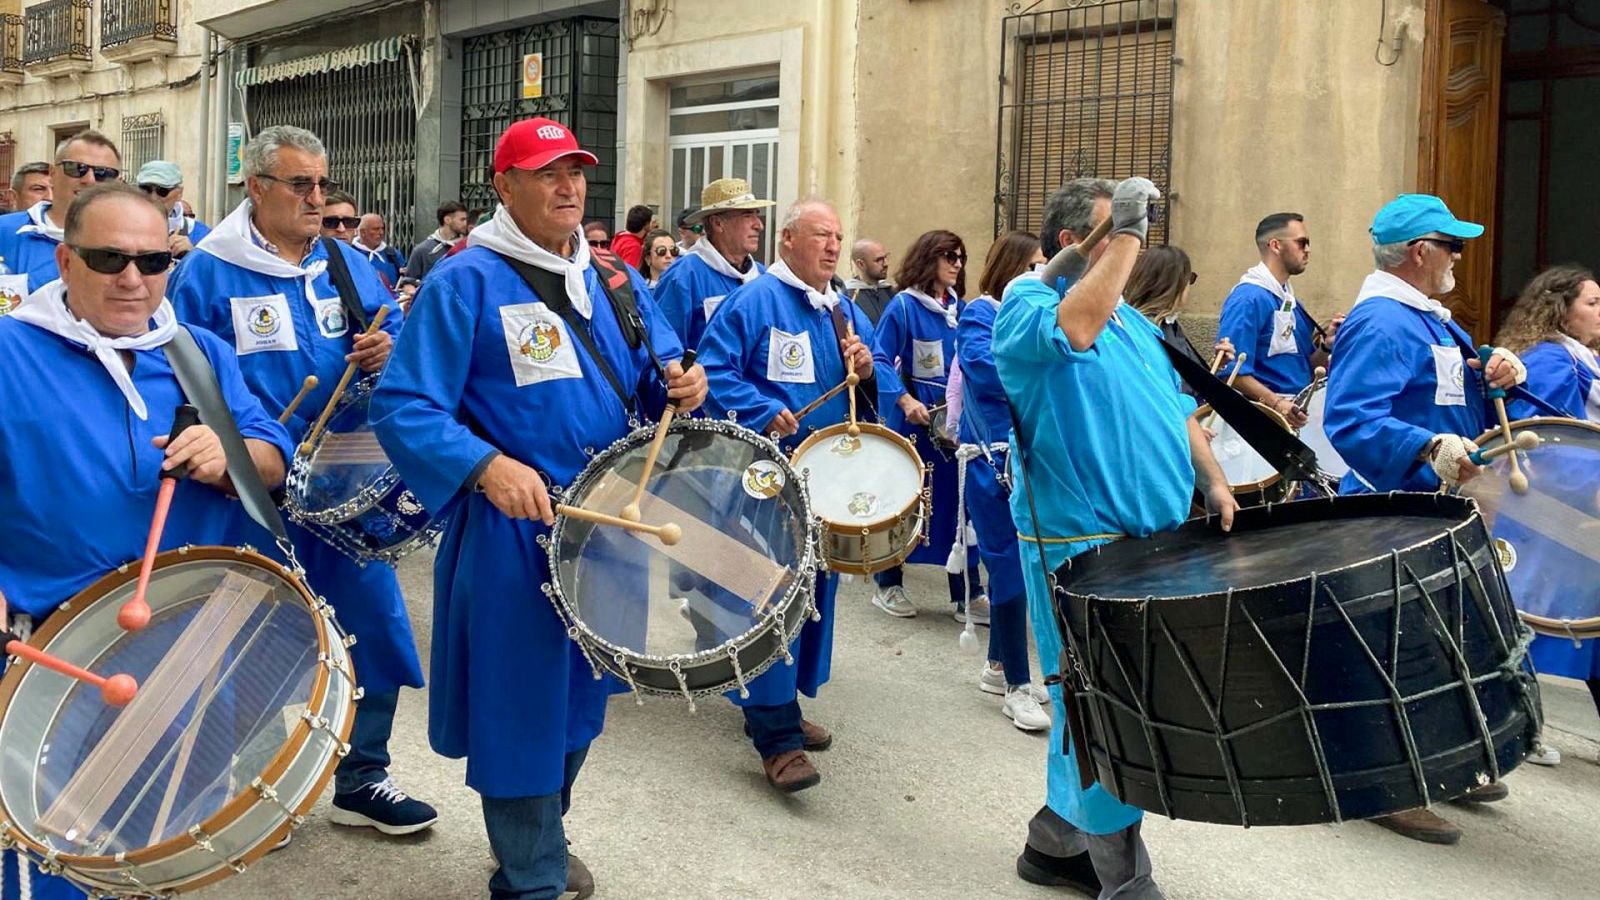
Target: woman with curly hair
1552, 327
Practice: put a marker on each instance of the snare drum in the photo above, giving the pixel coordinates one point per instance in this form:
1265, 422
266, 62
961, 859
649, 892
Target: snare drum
1253, 480
246, 698
1313, 402
870, 492
346, 492
715, 609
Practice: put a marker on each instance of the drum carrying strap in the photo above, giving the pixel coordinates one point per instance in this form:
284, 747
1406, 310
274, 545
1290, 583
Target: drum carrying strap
867, 387
199, 383
349, 297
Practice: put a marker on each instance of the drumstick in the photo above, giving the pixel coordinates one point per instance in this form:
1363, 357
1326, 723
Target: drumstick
1524, 441
832, 392
631, 511
135, 614
1216, 361
1519, 480
668, 534
338, 390
118, 690
306, 387
1237, 362
851, 378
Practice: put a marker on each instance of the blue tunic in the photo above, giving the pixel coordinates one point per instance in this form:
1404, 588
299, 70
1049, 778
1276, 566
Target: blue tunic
690, 292
985, 420
281, 338
914, 348
510, 692
1554, 376
387, 264
1248, 318
30, 254
1107, 446
1400, 380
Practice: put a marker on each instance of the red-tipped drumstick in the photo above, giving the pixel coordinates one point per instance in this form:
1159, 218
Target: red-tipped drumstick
135, 614
117, 690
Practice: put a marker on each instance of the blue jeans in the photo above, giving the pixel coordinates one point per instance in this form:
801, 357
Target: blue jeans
775, 729
896, 577
526, 836
1008, 639
368, 760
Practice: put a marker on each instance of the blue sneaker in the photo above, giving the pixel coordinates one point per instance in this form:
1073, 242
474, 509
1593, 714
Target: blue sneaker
382, 805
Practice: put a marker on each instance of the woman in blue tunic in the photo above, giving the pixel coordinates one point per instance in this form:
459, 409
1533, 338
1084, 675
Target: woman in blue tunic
914, 348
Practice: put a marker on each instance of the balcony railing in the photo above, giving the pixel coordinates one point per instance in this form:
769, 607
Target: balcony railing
122, 21
11, 29
57, 30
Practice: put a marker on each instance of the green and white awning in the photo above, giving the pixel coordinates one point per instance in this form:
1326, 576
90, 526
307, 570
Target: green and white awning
386, 50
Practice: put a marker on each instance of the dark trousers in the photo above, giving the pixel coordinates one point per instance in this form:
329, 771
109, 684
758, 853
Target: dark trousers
775, 729
368, 759
1008, 639
528, 840
1120, 858
896, 577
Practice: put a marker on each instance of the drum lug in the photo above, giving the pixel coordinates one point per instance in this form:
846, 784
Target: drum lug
203, 841
269, 793
627, 675
319, 723
184, 550
6, 840
572, 634
683, 683
738, 672
360, 693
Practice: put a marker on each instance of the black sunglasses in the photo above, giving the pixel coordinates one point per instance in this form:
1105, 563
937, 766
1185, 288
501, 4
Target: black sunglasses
113, 262
157, 189
302, 186
74, 169
665, 251
1455, 245
953, 257
1304, 243
333, 222
605, 243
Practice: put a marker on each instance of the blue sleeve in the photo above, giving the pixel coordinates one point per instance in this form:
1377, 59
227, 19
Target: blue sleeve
975, 350
887, 341
1553, 377
415, 406
248, 413
1026, 330
198, 231
672, 297
1359, 419
1245, 318
726, 352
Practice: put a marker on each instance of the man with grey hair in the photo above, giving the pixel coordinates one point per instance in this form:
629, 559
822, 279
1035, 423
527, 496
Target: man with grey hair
30, 184
869, 284
291, 308
28, 238
1105, 445
717, 264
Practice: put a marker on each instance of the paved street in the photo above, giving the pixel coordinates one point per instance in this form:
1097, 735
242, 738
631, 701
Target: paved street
925, 794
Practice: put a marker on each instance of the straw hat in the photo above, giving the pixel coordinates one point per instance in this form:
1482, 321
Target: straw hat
724, 195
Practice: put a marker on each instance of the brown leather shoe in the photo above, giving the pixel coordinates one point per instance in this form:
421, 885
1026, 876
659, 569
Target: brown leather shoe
580, 883
817, 737
791, 771
1485, 793
1421, 825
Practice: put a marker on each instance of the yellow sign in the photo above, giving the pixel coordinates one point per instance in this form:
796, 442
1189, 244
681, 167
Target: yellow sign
532, 76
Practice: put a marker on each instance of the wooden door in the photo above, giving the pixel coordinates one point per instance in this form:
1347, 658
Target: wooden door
1460, 141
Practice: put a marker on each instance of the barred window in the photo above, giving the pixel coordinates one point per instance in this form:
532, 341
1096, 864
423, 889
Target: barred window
1086, 91
141, 142
8, 164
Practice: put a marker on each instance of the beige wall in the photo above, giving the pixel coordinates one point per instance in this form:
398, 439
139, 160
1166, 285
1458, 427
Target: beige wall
1281, 107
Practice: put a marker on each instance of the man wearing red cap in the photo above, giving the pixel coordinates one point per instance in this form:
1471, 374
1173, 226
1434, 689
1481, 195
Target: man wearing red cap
522, 358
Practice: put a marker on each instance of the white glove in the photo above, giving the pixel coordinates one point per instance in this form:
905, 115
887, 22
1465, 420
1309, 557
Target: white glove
1515, 362
1446, 455
1130, 207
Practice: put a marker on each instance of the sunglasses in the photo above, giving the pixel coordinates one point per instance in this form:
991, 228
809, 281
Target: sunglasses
1455, 245
113, 262
332, 223
1304, 243
157, 189
666, 251
602, 244
953, 257
302, 186
74, 169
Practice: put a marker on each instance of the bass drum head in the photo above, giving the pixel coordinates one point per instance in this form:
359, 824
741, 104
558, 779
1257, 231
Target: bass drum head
862, 481
346, 466
1314, 401
229, 666
743, 568
1548, 538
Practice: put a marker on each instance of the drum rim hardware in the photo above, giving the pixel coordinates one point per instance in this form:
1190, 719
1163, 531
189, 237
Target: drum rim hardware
1204, 410
918, 511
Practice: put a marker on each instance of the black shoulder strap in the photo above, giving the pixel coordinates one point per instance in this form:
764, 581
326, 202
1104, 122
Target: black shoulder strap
199, 383
551, 289
339, 271
867, 387
619, 290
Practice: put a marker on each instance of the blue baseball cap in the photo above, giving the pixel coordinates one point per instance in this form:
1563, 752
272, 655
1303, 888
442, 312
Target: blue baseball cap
1410, 216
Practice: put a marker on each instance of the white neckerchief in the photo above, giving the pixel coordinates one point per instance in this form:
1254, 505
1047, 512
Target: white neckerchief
1262, 277
502, 235
719, 263
1585, 356
819, 301
47, 309
371, 252
231, 242
176, 220
1383, 284
950, 311
856, 284
39, 223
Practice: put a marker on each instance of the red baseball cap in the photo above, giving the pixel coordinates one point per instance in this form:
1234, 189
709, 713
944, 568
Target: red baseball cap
536, 143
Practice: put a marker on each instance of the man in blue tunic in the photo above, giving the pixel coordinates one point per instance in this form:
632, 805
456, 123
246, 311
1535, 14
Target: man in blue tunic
384, 258
164, 181
260, 281
1108, 449
29, 238
490, 394
1266, 322
717, 264
792, 306
1407, 395
84, 446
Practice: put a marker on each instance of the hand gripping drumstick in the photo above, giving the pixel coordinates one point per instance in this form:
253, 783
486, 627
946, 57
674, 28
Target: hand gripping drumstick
118, 690
338, 390
668, 534
135, 614
631, 511
851, 378
1519, 479
1216, 361
1524, 441
306, 387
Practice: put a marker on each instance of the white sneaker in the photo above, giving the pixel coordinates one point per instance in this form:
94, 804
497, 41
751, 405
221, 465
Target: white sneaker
992, 680
979, 609
893, 600
1024, 711
1039, 693
1545, 755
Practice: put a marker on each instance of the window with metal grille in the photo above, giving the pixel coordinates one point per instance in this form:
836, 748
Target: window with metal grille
727, 128
579, 90
1084, 91
8, 167
141, 142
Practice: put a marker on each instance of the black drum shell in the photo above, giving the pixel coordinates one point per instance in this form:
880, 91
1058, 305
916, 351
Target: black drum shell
1314, 732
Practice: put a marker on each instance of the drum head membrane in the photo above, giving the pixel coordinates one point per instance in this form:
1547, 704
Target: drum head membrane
347, 460
861, 480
